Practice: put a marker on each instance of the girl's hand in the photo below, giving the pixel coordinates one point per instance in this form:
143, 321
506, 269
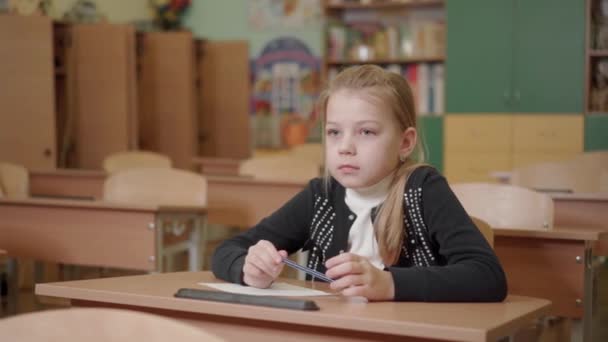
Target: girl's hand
262, 264
356, 276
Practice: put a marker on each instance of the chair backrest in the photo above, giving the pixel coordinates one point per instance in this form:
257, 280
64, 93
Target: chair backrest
156, 186
97, 325
506, 206
280, 168
135, 159
571, 176
485, 229
14, 181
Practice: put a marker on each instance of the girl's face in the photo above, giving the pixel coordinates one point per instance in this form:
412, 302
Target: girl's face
363, 140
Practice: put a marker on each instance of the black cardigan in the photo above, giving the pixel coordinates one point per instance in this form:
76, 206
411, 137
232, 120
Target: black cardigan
444, 257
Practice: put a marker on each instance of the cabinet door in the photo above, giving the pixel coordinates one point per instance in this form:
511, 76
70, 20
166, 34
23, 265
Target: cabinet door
430, 129
478, 56
549, 56
490, 133
27, 116
167, 119
224, 122
104, 90
476, 166
596, 132
548, 133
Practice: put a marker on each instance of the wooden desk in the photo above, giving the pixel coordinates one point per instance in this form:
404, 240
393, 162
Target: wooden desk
99, 234
232, 201
338, 320
581, 210
562, 265
217, 166
243, 202
67, 183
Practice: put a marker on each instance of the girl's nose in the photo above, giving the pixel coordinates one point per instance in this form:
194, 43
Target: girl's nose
346, 146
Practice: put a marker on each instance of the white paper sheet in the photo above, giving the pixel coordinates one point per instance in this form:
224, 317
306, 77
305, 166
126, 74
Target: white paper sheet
276, 289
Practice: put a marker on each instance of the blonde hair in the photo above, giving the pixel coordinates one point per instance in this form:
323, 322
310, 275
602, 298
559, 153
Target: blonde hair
393, 90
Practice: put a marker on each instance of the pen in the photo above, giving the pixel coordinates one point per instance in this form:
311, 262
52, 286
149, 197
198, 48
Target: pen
309, 271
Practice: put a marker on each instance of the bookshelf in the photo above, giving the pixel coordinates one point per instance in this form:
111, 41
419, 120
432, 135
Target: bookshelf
596, 85
406, 37
596, 77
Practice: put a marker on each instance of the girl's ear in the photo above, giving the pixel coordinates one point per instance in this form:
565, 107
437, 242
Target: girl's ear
409, 137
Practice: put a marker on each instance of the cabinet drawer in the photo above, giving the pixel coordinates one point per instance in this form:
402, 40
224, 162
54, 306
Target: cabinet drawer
524, 159
475, 167
478, 133
550, 133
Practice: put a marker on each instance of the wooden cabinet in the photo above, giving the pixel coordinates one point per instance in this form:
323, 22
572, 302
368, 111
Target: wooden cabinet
548, 133
478, 66
96, 91
475, 145
166, 75
27, 117
515, 56
478, 144
224, 93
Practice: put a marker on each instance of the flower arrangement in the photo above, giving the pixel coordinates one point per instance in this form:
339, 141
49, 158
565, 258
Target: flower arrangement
168, 13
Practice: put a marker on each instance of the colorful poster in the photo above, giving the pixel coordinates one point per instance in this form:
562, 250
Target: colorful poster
285, 88
265, 14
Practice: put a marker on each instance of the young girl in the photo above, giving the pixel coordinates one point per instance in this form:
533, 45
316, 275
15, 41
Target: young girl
380, 225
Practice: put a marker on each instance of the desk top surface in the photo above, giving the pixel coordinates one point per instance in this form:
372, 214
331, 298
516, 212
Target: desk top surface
581, 196
86, 204
461, 321
560, 233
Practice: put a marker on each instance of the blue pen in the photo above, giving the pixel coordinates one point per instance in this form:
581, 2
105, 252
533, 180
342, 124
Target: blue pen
309, 271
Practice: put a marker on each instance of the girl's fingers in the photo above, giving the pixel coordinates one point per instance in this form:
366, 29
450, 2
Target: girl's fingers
347, 281
262, 264
341, 258
343, 269
270, 250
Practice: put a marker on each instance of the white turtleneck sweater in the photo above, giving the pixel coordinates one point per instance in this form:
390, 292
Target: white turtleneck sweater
361, 238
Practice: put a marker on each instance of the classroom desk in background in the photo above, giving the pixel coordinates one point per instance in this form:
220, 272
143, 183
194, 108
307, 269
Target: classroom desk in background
217, 166
565, 265
67, 183
237, 201
581, 209
100, 234
338, 319
232, 201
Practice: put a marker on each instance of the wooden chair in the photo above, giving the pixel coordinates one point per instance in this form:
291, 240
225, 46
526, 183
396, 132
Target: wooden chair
485, 229
566, 176
506, 206
99, 325
14, 181
182, 230
156, 187
135, 159
280, 168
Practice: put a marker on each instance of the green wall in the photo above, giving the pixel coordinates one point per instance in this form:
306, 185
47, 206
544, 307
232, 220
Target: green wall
227, 20
116, 11
596, 132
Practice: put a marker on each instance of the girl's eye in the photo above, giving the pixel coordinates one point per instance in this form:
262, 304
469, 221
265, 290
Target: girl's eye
332, 132
367, 132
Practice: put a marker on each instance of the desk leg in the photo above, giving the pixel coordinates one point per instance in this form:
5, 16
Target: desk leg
198, 244
13, 286
160, 247
596, 295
